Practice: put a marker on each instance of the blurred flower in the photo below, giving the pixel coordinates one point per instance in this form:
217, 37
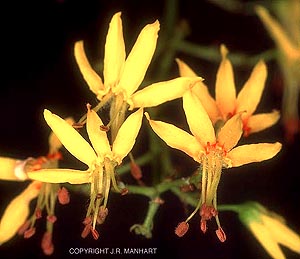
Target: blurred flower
17, 212
286, 36
101, 160
269, 229
15, 218
213, 151
227, 104
122, 76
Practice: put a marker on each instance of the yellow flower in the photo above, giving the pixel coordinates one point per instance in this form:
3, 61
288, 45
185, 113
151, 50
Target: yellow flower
213, 151
100, 158
122, 76
287, 39
17, 212
227, 104
270, 230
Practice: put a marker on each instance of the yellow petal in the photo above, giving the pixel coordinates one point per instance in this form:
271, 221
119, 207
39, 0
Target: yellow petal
249, 97
127, 134
93, 80
277, 33
17, 212
12, 169
262, 121
138, 60
70, 138
184, 69
54, 142
225, 87
114, 57
246, 154
198, 120
161, 92
60, 176
201, 91
177, 138
264, 236
231, 132
97, 136
282, 234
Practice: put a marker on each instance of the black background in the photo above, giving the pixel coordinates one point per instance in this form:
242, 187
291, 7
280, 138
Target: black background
39, 71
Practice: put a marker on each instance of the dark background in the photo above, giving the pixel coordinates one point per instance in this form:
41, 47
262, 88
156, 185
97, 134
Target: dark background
39, 71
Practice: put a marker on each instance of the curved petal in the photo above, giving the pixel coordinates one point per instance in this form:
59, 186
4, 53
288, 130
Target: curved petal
277, 33
161, 92
246, 154
60, 176
70, 138
198, 120
93, 80
184, 69
264, 236
127, 134
208, 102
97, 136
177, 138
282, 233
225, 87
114, 57
54, 142
201, 91
262, 121
230, 134
17, 212
138, 60
249, 97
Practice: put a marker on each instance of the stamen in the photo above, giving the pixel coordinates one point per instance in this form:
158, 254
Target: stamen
46, 244
102, 214
24, 227
29, 232
95, 233
63, 196
182, 229
86, 230
221, 234
51, 218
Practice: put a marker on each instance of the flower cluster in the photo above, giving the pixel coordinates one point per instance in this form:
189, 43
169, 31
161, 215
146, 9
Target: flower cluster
216, 127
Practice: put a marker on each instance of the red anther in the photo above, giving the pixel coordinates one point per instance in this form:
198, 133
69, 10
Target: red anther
207, 212
47, 242
221, 234
87, 221
124, 191
24, 227
29, 232
49, 250
38, 213
77, 125
104, 128
51, 218
203, 226
182, 228
86, 230
95, 233
55, 156
136, 171
63, 196
102, 214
